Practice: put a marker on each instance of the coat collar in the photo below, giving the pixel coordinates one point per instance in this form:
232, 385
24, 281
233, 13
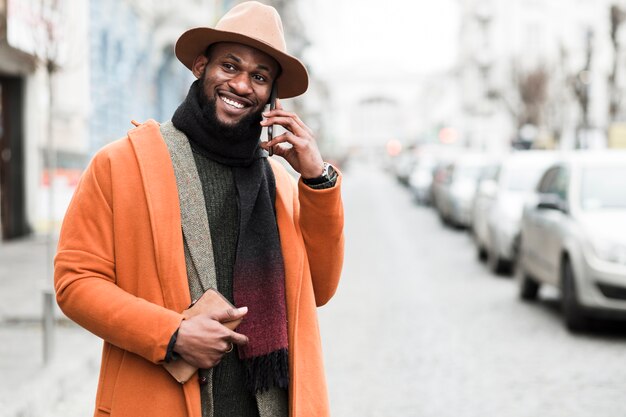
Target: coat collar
193, 212
159, 184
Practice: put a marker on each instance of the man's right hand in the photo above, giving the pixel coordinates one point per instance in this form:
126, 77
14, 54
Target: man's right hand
203, 340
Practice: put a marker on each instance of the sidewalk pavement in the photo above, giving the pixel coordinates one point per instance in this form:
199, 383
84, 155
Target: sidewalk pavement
65, 385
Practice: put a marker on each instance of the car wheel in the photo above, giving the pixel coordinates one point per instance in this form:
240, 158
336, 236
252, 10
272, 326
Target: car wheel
481, 252
515, 259
528, 287
496, 264
575, 318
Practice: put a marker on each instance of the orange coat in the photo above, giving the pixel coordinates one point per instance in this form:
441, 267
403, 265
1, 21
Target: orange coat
120, 273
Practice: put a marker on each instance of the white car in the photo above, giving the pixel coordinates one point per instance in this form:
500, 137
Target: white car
421, 179
573, 237
499, 203
486, 190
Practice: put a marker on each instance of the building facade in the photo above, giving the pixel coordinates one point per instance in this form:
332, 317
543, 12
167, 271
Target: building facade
73, 74
32, 47
535, 71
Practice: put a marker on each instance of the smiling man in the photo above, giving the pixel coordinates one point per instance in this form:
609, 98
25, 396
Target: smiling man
176, 210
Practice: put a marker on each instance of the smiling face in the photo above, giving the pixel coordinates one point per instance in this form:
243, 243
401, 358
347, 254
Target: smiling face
237, 80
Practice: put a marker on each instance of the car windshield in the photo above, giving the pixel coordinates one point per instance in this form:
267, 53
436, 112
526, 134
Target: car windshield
603, 187
522, 179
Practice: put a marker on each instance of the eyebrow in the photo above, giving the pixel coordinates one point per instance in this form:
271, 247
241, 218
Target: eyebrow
238, 60
234, 58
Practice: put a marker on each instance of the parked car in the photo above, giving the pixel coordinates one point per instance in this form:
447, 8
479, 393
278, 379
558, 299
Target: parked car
421, 179
486, 190
499, 203
572, 237
455, 191
430, 158
403, 165
441, 179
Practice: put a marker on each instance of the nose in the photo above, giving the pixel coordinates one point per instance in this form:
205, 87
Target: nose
241, 83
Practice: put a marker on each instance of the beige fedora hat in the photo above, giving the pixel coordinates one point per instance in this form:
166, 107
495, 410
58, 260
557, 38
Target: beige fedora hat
253, 24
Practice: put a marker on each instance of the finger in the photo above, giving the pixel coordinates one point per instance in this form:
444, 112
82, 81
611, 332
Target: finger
230, 314
277, 112
289, 123
279, 105
278, 150
223, 347
290, 138
238, 339
295, 117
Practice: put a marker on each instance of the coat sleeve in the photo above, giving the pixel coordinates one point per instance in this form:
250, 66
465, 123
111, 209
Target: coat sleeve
85, 274
321, 222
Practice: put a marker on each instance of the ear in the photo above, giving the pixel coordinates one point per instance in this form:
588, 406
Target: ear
198, 65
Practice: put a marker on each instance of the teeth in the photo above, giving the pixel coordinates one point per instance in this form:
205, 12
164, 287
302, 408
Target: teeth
232, 102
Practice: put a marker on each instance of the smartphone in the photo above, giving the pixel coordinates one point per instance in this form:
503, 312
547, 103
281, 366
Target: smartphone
270, 128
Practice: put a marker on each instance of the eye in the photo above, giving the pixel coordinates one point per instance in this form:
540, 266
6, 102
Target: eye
228, 66
260, 78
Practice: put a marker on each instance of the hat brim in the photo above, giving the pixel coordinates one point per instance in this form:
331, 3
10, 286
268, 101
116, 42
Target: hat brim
294, 79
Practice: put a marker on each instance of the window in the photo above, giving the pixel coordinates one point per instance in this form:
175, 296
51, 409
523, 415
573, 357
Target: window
547, 181
561, 183
602, 188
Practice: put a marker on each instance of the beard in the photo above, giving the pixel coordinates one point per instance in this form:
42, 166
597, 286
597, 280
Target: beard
247, 128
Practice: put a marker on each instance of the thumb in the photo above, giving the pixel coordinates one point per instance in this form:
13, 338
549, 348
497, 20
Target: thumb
230, 314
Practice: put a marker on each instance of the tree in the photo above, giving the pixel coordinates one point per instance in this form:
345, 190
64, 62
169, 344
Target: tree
617, 17
532, 87
581, 84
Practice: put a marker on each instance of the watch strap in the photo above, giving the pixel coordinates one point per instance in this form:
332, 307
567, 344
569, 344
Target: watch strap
326, 180
327, 175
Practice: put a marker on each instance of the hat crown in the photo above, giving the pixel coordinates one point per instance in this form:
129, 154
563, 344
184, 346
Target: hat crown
256, 21
255, 25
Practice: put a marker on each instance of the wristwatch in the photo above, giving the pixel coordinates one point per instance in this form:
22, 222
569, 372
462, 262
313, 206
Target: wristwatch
327, 175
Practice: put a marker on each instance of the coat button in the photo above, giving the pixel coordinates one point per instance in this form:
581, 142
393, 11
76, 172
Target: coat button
203, 380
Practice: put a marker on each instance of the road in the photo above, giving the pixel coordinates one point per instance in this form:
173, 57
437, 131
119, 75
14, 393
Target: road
419, 327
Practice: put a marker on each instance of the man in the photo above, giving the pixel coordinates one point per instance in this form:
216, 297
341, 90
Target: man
126, 272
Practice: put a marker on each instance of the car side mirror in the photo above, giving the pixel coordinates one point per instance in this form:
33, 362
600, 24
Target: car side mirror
551, 201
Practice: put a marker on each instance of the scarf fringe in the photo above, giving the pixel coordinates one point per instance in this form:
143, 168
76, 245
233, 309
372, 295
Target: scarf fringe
267, 371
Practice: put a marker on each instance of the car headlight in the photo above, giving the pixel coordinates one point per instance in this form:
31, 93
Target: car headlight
609, 251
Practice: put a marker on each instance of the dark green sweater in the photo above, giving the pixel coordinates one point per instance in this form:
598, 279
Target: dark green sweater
230, 397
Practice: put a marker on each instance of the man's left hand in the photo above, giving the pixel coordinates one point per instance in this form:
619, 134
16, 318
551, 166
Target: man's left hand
303, 155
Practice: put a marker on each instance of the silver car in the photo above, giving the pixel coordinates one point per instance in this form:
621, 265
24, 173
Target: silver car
421, 179
455, 195
573, 237
499, 203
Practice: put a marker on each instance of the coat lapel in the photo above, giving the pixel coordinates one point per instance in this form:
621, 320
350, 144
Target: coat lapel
159, 186
192, 205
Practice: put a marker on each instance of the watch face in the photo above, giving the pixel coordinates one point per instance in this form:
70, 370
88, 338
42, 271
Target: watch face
330, 171
328, 174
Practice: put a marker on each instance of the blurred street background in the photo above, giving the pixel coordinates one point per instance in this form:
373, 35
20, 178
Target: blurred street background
482, 145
